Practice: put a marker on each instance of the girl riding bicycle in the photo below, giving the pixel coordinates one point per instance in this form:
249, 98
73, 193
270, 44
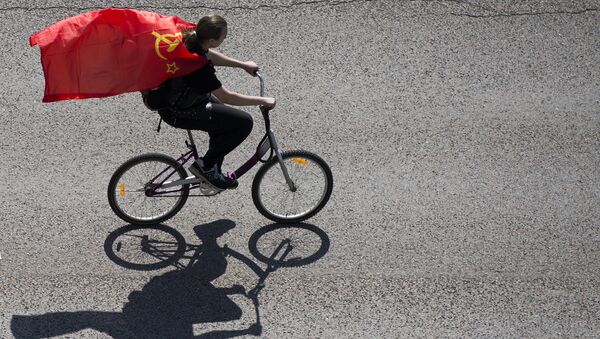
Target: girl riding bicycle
192, 102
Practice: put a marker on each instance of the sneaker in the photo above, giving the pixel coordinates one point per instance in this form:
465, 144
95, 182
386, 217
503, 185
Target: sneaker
213, 176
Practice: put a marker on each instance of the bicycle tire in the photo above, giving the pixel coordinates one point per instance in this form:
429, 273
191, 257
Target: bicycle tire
292, 159
116, 203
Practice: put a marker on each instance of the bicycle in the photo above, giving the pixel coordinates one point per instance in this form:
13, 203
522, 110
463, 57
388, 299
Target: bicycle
153, 187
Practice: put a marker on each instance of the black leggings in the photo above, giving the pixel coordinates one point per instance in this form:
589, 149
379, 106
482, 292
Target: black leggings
227, 127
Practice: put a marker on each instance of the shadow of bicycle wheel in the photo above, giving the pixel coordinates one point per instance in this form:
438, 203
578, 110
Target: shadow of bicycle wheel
145, 248
289, 245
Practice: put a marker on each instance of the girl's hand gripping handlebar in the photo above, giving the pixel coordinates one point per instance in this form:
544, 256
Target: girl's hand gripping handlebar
269, 102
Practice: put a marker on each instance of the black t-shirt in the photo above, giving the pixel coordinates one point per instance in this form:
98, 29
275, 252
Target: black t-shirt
203, 80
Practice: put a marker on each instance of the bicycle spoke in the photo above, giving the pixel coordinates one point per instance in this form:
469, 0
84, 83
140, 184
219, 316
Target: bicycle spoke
305, 199
137, 198
140, 176
293, 201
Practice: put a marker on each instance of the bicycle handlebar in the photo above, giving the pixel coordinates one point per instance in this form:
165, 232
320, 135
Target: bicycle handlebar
262, 91
262, 83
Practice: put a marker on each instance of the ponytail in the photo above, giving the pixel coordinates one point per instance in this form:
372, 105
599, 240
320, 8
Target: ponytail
190, 40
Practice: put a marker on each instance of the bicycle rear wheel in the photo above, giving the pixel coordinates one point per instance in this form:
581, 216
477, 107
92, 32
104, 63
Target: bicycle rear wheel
275, 200
135, 193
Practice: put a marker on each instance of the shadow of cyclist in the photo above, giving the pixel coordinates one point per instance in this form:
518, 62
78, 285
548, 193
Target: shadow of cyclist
167, 306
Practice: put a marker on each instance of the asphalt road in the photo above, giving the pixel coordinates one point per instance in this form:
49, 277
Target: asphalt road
464, 139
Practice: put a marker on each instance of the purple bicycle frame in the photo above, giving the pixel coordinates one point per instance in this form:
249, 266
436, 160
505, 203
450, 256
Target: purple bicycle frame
261, 150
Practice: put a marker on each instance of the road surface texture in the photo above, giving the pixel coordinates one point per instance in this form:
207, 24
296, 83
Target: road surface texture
464, 140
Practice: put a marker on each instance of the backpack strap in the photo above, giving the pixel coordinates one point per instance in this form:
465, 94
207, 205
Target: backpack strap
158, 128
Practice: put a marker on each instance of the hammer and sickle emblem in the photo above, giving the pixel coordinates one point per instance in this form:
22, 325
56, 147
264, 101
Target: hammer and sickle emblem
165, 38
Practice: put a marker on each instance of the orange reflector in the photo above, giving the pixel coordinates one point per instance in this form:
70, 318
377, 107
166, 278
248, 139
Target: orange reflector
122, 190
300, 161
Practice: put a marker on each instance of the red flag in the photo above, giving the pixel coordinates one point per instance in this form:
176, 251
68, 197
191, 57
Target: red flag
112, 51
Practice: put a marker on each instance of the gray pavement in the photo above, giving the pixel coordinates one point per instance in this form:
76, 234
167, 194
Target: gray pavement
464, 139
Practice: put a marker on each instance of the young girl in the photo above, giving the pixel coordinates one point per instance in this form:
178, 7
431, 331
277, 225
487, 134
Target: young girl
191, 105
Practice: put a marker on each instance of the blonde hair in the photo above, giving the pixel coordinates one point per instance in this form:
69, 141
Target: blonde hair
209, 27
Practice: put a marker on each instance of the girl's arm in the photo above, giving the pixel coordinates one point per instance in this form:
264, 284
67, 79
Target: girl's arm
236, 99
220, 59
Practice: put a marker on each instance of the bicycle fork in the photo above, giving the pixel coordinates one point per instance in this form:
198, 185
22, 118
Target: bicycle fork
286, 175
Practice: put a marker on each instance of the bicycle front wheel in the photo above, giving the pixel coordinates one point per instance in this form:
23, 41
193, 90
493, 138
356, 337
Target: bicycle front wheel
313, 182
135, 193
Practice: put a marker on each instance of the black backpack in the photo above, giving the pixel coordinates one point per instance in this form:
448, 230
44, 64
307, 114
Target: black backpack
173, 93
157, 98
